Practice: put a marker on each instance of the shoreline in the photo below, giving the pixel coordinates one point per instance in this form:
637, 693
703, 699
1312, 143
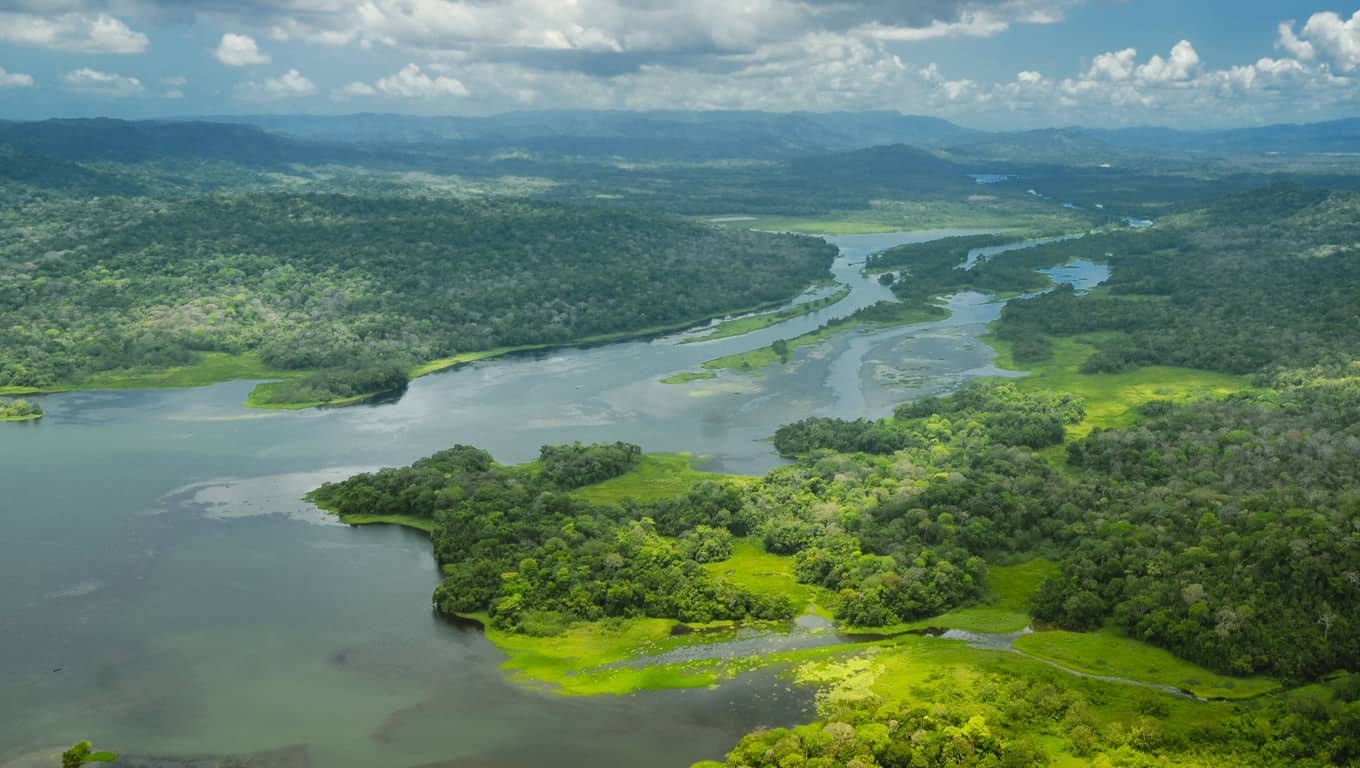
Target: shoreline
213, 368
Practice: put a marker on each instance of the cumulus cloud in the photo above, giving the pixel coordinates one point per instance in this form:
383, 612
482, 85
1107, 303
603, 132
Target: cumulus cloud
291, 84
1328, 34
87, 80
1180, 65
411, 83
239, 51
1299, 49
15, 79
72, 31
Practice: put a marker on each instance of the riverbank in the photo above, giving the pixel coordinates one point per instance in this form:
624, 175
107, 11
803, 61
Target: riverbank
211, 368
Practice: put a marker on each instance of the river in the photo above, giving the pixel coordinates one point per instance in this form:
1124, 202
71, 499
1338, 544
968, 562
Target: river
168, 592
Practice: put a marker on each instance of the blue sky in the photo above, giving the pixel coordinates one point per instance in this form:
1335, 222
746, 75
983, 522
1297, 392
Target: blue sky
986, 63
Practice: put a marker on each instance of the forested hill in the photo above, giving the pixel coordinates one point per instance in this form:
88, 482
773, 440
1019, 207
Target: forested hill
324, 281
1255, 281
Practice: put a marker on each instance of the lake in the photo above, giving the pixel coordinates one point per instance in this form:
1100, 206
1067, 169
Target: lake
168, 592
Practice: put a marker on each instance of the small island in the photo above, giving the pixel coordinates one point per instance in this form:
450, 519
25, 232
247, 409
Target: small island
20, 410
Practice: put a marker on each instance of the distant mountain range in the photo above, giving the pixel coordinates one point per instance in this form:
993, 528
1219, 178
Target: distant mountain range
738, 134
400, 141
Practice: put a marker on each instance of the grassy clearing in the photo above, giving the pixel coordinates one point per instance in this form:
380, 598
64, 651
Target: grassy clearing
928, 669
744, 325
659, 476
751, 567
1108, 653
25, 417
1012, 586
685, 378
569, 663
1112, 397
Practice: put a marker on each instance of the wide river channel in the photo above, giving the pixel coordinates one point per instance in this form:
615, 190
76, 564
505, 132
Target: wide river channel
167, 592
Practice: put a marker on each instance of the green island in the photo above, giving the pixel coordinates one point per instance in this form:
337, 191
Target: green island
1169, 508
743, 325
20, 410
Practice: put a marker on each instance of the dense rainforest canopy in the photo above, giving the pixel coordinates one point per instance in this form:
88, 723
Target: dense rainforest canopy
325, 281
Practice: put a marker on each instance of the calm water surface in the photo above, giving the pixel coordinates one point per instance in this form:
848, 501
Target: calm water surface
167, 592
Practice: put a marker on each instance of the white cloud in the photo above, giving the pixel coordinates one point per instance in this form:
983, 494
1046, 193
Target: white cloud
291, 84
1337, 39
173, 94
411, 83
1179, 66
1299, 49
355, 89
80, 32
969, 25
1113, 66
239, 51
15, 79
89, 80
175, 81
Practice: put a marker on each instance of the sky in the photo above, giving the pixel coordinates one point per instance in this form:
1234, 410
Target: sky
983, 63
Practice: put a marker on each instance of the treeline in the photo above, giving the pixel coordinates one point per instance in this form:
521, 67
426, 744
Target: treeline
330, 282
512, 541
1262, 280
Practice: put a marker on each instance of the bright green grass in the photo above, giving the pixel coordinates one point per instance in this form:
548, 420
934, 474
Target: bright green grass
25, 417
685, 378
1107, 653
744, 325
751, 567
406, 521
102, 757
1014, 586
658, 476
444, 363
926, 669
1111, 398
569, 663
259, 397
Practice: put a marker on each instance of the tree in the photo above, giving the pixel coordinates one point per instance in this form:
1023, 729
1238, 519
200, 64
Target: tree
781, 347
